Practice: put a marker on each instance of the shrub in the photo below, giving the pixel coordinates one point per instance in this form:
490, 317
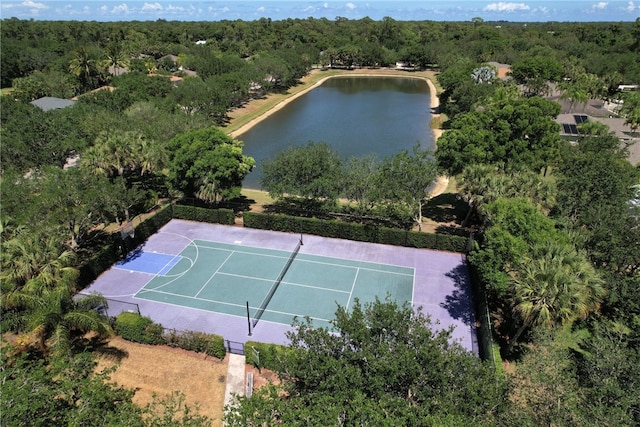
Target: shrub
269, 355
210, 344
136, 328
193, 213
216, 347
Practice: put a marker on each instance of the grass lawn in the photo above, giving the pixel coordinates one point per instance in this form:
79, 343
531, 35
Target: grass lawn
151, 369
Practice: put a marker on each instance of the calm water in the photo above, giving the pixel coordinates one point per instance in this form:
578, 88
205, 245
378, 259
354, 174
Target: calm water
355, 115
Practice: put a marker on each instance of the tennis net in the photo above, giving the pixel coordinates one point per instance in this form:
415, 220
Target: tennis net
273, 289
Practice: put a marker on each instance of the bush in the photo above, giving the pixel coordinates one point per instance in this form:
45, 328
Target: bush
270, 356
136, 328
193, 213
353, 231
210, 344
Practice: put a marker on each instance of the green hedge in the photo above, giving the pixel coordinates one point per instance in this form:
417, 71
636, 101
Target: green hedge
136, 328
210, 344
269, 355
216, 216
354, 231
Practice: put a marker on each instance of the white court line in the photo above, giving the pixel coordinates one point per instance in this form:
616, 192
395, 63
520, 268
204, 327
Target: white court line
214, 273
353, 285
313, 287
219, 302
358, 267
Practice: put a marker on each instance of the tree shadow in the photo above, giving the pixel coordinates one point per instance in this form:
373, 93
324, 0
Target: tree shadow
100, 346
446, 207
306, 208
459, 303
238, 204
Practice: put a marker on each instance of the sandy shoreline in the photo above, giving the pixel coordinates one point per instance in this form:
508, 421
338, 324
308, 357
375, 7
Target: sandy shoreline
441, 182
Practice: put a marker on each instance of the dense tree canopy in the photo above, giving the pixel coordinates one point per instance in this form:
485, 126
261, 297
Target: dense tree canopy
518, 132
312, 171
381, 364
207, 164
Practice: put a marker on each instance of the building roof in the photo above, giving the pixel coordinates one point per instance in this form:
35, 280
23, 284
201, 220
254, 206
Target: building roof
625, 134
50, 103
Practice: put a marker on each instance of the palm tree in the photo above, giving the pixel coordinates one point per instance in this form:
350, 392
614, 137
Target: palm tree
556, 286
84, 67
481, 184
209, 190
33, 260
56, 318
116, 58
115, 153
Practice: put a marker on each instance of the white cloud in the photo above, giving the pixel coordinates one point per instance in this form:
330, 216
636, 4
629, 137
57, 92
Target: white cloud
103, 8
122, 8
151, 6
309, 9
601, 5
350, 6
261, 9
172, 8
226, 9
631, 7
325, 5
505, 7
33, 5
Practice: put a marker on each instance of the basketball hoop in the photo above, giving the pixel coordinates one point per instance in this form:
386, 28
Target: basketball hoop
127, 230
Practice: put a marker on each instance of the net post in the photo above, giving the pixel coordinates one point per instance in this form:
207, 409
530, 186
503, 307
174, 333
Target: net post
248, 319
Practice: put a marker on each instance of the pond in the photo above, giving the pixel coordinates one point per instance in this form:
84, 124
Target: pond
357, 116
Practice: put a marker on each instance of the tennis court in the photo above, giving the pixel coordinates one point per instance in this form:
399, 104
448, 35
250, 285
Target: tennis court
277, 285
202, 277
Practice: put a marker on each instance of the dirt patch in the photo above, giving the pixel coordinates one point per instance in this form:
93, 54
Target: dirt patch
161, 370
262, 377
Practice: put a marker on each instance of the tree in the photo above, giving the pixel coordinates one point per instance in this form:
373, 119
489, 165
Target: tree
55, 318
483, 184
581, 89
33, 260
484, 75
84, 66
517, 132
381, 364
544, 388
536, 72
514, 227
312, 171
631, 110
606, 368
65, 391
406, 179
116, 58
360, 181
556, 286
118, 153
73, 392
73, 199
209, 163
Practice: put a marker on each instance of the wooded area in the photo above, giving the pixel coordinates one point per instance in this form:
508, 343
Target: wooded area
557, 238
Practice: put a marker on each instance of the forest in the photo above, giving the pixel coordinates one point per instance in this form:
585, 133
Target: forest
556, 234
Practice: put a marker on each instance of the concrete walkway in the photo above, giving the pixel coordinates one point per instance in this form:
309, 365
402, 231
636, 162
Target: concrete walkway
235, 377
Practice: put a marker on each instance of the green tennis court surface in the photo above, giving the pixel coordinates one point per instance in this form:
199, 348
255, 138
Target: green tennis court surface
223, 277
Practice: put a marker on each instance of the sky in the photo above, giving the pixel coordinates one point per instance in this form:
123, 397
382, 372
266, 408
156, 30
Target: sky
435, 10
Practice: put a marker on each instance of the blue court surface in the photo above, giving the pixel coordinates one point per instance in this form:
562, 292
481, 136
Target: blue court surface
148, 262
